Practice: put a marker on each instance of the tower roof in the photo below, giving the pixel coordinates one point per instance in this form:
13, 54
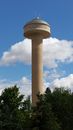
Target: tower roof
37, 20
37, 27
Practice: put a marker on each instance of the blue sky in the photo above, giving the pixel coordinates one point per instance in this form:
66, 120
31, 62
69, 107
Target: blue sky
58, 67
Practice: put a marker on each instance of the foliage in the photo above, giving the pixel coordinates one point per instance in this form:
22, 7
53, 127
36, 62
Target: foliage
12, 116
43, 117
53, 111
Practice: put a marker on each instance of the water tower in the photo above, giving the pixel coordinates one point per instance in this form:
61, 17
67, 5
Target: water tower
37, 30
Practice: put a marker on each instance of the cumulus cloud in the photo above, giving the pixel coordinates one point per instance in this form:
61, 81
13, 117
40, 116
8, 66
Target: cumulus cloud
54, 51
19, 52
24, 85
66, 82
52, 74
4, 83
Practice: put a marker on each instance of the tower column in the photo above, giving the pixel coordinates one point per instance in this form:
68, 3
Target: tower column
37, 68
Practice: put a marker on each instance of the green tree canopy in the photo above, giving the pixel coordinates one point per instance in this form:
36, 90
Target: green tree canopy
12, 116
53, 111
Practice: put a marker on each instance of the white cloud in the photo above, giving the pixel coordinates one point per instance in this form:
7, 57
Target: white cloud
66, 82
4, 84
24, 85
54, 51
52, 74
57, 51
19, 52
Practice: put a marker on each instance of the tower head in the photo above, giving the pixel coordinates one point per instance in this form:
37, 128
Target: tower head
37, 27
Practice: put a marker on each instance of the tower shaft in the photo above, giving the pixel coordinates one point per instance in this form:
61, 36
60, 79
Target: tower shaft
37, 68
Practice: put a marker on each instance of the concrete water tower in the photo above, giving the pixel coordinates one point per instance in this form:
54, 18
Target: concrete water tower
37, 30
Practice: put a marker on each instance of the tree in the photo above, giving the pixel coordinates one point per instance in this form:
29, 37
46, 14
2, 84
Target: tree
53, 111
62, 107
11, 115
43, 117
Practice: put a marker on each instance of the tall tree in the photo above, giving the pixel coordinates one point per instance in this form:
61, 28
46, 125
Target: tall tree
11, 115
62, 107
43, 117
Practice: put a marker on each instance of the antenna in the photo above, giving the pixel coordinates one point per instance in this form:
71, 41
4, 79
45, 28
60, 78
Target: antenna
36, 15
